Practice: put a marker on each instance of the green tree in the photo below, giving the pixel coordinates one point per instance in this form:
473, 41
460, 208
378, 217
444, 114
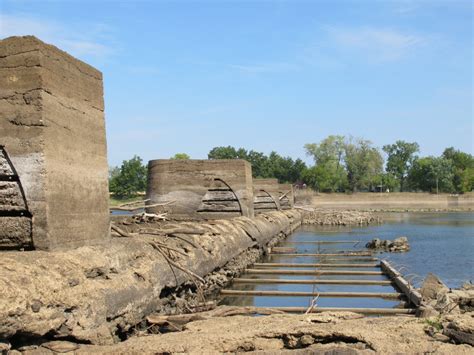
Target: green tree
400, 159
180, 156
130, 180
432, 174
328, 156
363, 164
227, 153
463, 169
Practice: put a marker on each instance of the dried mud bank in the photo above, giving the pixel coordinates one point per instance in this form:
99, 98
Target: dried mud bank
325, 333
97, 294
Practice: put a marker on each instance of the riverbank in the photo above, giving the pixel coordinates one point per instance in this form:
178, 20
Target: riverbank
386, 202
341, 333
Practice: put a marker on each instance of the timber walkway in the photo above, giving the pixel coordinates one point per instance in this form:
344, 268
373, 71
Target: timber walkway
323, 275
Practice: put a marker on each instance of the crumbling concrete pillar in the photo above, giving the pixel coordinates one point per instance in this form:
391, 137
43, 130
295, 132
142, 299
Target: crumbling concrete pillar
53, 157
286, 196
201, 189
266, 195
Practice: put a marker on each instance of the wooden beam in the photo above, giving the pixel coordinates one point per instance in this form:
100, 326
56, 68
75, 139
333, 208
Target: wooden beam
326, 254
324, 242
383, 295
374, 311
312, 282
312, 272
411, 293
313, 265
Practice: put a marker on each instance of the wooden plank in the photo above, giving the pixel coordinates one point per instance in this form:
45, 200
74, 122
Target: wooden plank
283, 250
368, 311
353, 258
383, 295
324, 242
335, 265
311, 272
312, 282
327, 254
411, 293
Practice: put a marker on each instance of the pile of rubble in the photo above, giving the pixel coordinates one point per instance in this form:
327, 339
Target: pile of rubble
400, 244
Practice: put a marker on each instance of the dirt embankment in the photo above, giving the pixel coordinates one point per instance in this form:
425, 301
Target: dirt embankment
325, 333
397, 202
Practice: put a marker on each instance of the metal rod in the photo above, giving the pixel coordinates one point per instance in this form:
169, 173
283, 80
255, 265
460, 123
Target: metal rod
314, 265
312, 282
311, 272
388, 296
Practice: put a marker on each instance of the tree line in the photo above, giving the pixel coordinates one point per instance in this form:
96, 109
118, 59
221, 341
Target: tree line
341, 164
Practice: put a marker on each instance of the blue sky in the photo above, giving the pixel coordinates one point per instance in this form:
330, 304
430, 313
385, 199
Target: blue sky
186, 76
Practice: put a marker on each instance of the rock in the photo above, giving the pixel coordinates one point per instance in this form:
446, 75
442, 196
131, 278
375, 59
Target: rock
306, 340
398, 245
461, 329
431, 287
4, 347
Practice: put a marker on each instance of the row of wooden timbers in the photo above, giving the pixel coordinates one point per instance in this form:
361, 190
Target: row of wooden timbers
330, 265
410, 299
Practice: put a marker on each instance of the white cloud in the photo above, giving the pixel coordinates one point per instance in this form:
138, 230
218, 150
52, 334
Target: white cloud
88, 41
376, 43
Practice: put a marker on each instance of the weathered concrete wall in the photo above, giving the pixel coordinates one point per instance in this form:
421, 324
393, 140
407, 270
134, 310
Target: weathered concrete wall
91, 292
387, 201
287, 197
201, 189
266, 195
52, 127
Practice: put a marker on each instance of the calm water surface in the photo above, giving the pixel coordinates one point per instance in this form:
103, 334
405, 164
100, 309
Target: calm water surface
441, 243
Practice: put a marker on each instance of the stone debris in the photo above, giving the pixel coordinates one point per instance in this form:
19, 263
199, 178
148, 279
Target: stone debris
400, 244
337, 217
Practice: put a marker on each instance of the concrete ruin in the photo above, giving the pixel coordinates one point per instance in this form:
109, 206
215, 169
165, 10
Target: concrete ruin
266, 195
53, 156
201, 189
287, 196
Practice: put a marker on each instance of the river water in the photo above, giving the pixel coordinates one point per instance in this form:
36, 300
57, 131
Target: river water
441, 243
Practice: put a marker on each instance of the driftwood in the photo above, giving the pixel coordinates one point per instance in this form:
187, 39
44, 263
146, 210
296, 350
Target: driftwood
176, 322
126, 206
283, 196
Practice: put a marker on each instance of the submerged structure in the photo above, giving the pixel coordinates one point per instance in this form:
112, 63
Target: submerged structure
201, 189
53, 156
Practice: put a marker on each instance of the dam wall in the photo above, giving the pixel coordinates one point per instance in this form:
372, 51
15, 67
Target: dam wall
53, 154
93, 293
266, 195
201, 189
397, 201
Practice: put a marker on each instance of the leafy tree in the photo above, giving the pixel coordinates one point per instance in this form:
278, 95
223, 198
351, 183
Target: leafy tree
227, 153
180, 156
400, 159
328, 156
432, 174
363, 164
321, 179
130, 180
463, 168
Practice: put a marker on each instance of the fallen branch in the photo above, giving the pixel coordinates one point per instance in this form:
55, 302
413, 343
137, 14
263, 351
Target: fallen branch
283, 196
121, 232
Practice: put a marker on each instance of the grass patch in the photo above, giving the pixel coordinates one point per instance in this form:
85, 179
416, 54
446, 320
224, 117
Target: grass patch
435, 323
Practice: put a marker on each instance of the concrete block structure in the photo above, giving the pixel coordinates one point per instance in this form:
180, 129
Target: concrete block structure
53, 156
266, 194
286, 196
201, 189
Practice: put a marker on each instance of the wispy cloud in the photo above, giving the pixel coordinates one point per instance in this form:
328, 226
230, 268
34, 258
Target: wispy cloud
90, 40
379, 44
271, 67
